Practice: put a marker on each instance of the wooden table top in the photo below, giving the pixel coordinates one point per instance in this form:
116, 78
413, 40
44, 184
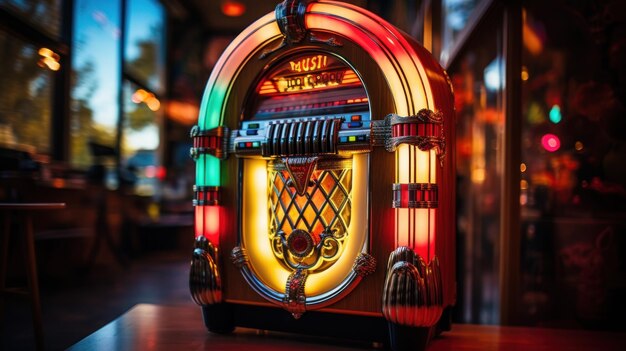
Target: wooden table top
26, 206
157, 327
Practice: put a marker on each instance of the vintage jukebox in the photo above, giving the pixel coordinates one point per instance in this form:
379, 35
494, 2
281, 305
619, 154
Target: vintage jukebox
324, 196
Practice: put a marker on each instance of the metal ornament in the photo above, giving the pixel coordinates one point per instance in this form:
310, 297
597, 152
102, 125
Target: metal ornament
210, 142
364, 265
300, 170
424, 130
205, 282
295, 300
290, 19
239, 257
412, 293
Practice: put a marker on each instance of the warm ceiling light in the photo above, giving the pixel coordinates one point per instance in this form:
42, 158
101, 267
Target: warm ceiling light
233, 8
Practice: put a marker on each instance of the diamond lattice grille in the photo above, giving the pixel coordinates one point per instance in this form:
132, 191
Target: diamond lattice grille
325, 206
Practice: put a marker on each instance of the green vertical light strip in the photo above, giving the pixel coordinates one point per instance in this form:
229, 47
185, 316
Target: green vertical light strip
207, 166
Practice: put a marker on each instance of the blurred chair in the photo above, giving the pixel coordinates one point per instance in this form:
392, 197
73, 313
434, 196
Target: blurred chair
23, 212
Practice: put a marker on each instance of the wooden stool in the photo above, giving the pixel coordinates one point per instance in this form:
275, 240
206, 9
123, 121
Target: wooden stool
23, 212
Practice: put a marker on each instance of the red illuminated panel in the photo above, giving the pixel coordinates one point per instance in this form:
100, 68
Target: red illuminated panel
208, 223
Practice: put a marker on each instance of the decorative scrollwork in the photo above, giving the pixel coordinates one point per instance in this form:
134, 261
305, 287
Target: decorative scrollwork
365, 264
290, 19
299, 251
330, 41
295, 300
423, 130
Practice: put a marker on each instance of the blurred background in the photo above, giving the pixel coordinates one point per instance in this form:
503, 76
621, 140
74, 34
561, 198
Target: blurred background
97, 99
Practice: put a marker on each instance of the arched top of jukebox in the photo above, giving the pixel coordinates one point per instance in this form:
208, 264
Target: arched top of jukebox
416, 81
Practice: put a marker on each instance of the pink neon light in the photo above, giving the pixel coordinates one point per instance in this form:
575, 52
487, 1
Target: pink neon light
550, 142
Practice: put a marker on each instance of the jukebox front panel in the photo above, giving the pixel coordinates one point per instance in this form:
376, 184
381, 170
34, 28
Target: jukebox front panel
324, 171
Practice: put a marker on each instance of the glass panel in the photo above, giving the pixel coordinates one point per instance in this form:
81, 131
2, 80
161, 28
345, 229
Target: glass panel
477, 76
573, 187
141, 166
26, 79
44, 14
144, 54
96, 80
312, 83
456, 15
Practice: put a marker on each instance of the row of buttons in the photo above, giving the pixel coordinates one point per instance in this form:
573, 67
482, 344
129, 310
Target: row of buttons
352, 138
248, 145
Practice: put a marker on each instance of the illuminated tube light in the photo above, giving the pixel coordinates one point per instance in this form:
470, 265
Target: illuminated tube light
210, 116
209, 225
415, 227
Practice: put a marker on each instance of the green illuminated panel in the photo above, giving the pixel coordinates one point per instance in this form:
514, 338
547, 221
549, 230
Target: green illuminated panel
207, 171
207, 166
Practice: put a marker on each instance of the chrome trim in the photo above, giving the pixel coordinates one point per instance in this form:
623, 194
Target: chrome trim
416, 193
311, 302
381, 133
205, 283
413, 292
239, 257
286, 137
221, 136
210, 195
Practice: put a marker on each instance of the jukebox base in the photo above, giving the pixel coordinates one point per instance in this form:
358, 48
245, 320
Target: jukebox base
223, 317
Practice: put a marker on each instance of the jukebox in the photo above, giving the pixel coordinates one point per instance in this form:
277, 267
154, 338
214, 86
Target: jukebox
324, 196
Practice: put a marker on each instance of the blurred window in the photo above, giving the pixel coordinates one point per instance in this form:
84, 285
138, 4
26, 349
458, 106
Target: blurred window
141, 139
477, 75
26, 86
144, 52
96, 78
43, 14
573, 171
457, 14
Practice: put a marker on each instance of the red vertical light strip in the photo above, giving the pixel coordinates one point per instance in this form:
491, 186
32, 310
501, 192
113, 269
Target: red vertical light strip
208, 223
212, 224
411, 217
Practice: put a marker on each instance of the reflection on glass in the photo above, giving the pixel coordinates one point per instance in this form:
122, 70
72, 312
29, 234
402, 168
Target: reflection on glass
95, 83
140, 143
44, 14
456, 15
574, 150
144, 54
477, 76
25, 96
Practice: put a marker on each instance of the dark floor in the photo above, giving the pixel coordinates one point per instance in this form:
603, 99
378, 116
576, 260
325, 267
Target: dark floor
76, 304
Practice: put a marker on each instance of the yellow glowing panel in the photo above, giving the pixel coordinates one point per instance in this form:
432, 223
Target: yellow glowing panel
415, 166
255, 225
255, 229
